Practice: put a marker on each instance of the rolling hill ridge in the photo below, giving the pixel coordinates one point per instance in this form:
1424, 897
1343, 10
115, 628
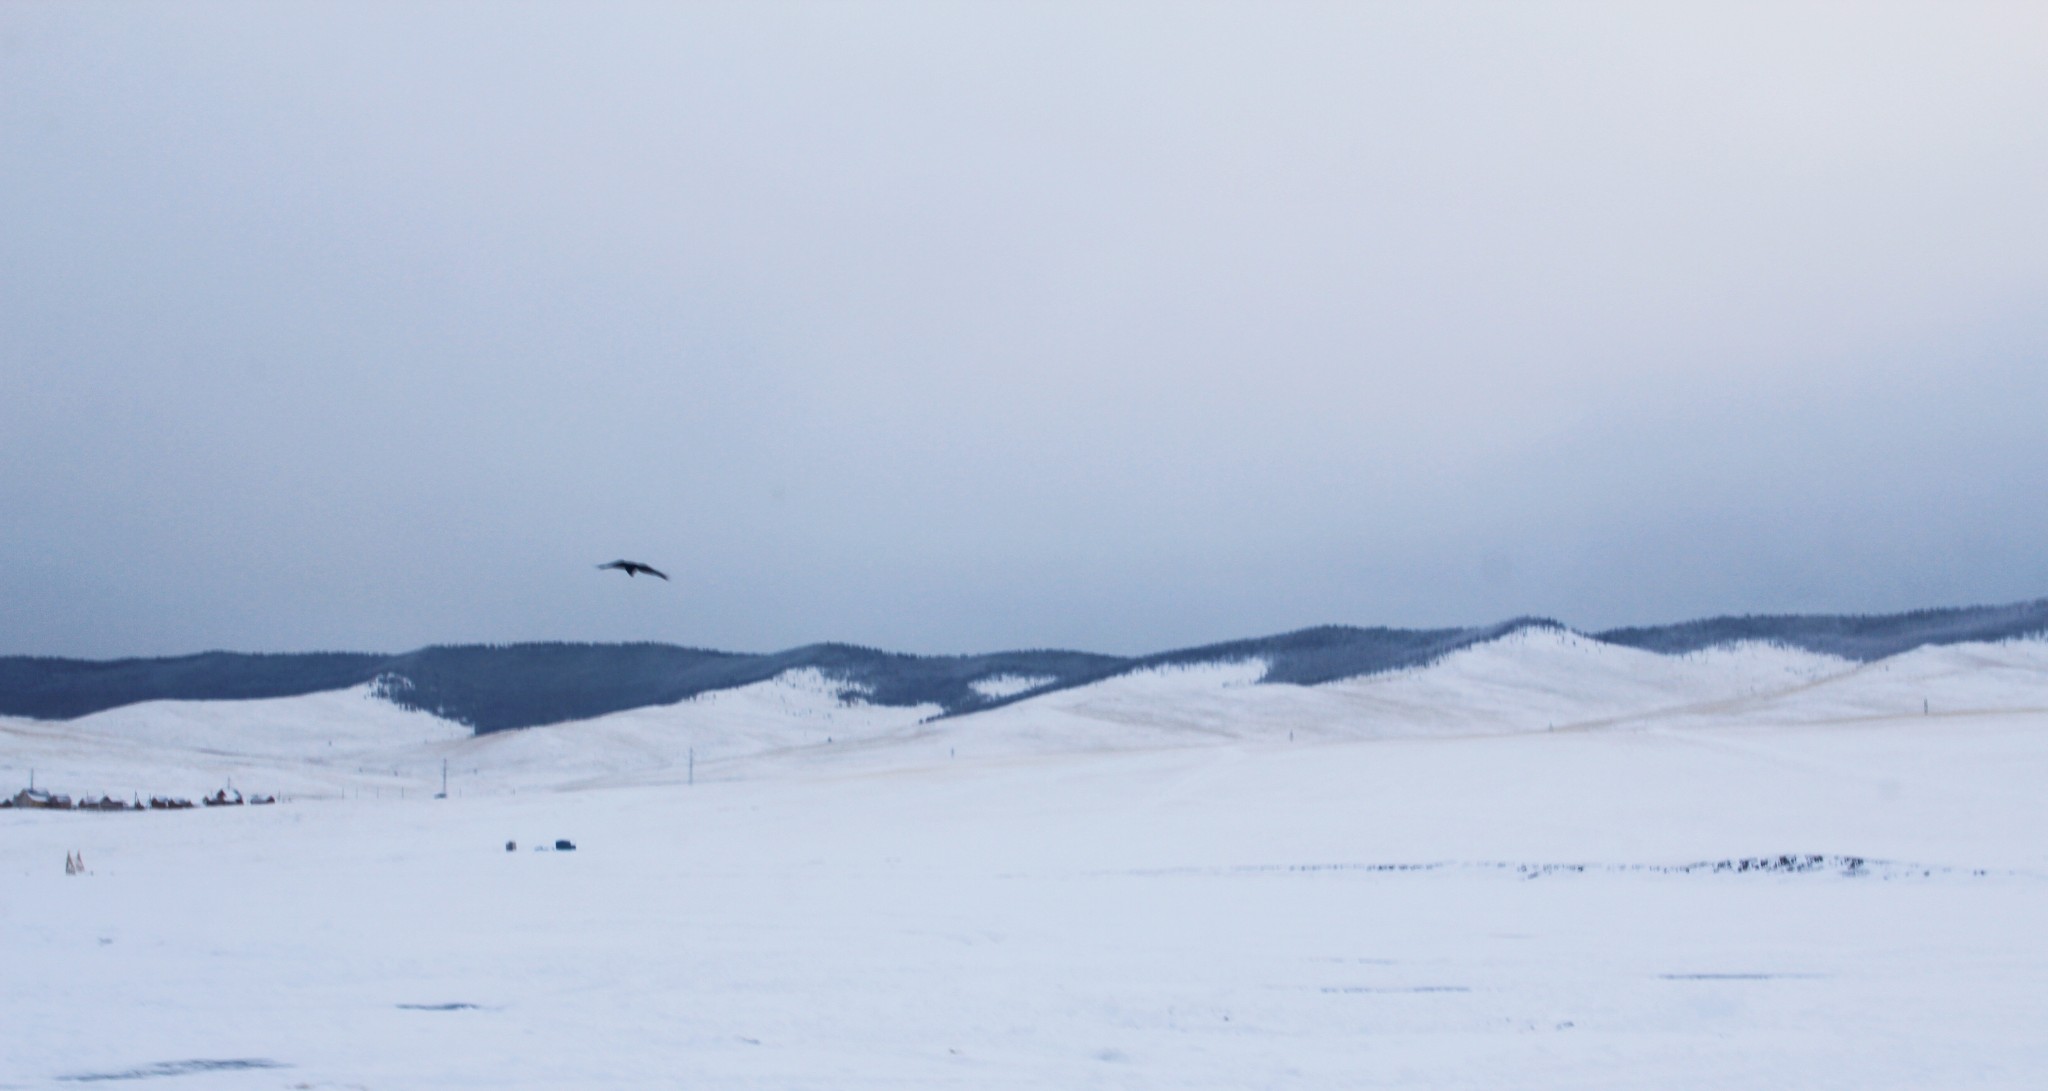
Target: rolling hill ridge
500, 687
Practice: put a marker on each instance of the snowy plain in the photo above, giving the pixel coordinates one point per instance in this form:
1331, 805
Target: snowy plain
1499, 870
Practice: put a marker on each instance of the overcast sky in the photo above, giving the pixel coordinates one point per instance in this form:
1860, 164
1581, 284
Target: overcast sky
960, 327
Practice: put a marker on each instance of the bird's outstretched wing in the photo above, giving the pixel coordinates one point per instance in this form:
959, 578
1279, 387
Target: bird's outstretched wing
632, 568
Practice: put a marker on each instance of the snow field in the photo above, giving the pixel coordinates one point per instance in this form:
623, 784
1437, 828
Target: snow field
1474, 874
997, 686
1186, 918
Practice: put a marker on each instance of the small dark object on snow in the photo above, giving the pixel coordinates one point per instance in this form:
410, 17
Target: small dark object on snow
565, 845
258, 801
511, 846
633, 568
160, 803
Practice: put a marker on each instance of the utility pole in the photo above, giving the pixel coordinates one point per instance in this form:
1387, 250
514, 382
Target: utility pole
693, 765
444, 778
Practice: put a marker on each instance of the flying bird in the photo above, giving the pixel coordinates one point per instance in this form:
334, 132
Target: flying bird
634, 568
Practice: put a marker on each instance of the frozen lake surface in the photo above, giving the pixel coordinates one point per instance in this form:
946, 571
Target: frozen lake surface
1557, 870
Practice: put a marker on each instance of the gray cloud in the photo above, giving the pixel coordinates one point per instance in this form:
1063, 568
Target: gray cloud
952, 328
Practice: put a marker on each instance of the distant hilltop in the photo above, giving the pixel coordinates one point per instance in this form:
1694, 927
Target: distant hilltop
499, 687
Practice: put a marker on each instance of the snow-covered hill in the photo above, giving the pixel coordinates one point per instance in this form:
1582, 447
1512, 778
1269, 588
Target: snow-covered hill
503, 687
1532, 679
